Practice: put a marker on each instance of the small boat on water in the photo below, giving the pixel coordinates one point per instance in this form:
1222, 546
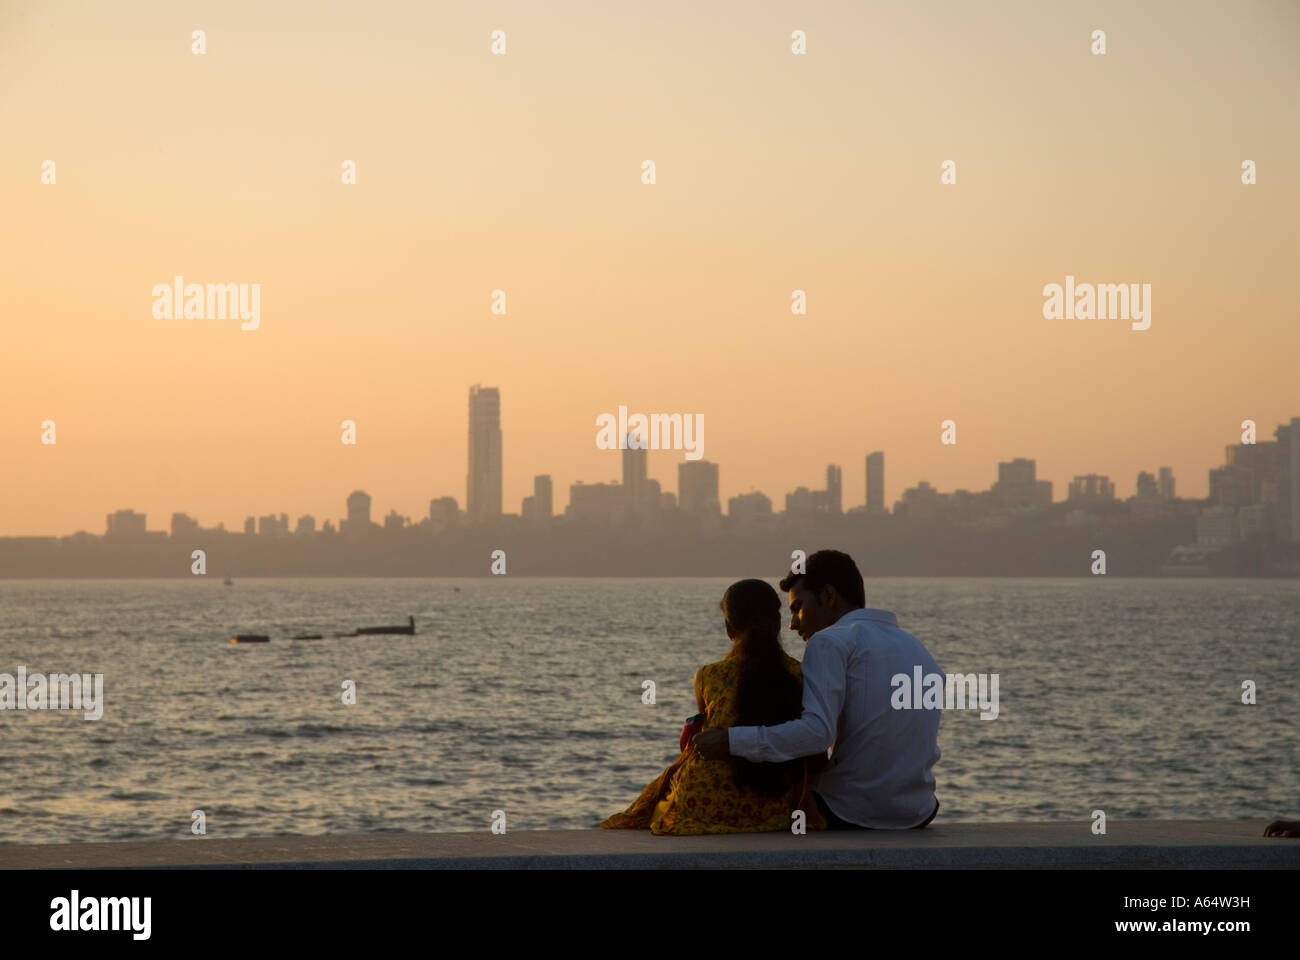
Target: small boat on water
408, 630
365, 631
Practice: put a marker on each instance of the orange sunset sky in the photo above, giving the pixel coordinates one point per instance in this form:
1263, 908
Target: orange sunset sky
522, 172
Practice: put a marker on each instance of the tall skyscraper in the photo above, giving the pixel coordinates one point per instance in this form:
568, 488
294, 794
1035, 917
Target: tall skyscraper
483, 486
634, 474
697, 488
876, 482
1166, 483
834, 490
543, 493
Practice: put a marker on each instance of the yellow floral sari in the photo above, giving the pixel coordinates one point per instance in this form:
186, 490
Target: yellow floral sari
696, 796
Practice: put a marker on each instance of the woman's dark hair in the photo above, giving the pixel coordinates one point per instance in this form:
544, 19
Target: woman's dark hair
766, 692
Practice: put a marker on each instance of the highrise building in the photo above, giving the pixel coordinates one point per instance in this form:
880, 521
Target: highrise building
697, 488
1018, 471
749, 508
802, 502
126, 523
358, 520
834, 491
596, 503
805, 502
1249, 476
1230, 487
1018, 485
1092, 488
483, 485
1166, 483
1263, 475
539, 507
544, 496
183, 525
876, 482
444, 513
1288, 474
634, 474
921, 502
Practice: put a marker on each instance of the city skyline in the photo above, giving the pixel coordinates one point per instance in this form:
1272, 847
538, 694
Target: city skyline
698, 489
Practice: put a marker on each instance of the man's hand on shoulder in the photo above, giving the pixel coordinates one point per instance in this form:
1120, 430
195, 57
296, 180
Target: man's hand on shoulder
712, 743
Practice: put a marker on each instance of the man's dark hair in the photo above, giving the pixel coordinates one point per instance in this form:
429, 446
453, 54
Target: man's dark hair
830, 567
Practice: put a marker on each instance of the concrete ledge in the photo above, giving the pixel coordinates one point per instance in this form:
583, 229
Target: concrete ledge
1134, 844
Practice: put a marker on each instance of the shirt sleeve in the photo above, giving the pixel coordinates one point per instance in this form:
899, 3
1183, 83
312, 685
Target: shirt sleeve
825, 669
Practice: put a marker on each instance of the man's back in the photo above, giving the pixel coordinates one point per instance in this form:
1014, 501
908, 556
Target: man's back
880, 772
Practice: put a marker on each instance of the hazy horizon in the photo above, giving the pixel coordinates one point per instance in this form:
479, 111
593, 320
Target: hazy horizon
522, 172
668, 477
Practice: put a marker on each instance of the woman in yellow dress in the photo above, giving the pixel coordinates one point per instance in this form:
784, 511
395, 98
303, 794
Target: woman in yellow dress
756, 684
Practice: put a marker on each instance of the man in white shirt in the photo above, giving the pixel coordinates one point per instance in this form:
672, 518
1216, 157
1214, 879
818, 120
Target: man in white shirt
879, 773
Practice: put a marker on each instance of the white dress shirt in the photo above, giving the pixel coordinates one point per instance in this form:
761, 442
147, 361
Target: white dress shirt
879, 774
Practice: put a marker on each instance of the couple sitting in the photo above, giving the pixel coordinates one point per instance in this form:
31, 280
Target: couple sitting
768, 722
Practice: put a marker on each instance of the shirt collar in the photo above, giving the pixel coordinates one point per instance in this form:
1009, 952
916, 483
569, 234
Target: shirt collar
869, 613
